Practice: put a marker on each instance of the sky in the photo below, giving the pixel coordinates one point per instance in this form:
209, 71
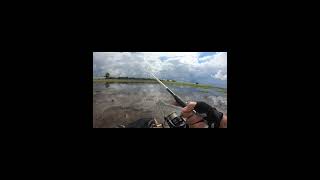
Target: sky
201, 67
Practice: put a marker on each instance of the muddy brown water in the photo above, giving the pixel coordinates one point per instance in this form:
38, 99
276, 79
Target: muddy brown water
120, 104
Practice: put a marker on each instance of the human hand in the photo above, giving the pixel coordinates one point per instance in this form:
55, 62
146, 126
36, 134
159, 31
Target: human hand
193, 120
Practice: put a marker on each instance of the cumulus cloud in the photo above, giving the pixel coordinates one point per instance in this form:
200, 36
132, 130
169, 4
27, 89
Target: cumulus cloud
220, 75
182, 66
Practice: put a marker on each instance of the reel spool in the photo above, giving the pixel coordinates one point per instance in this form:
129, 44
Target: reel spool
175, 121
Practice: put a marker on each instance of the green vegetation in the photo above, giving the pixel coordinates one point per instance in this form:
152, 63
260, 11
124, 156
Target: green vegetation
203, 86
204, 91
124, 81
147, 80
109, 79
221, 90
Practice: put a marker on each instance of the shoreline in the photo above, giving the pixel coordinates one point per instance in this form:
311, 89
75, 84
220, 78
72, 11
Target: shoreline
202, 86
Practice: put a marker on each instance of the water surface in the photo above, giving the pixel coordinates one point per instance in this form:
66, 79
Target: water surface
122, 103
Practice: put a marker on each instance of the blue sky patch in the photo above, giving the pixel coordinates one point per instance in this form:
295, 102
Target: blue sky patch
203, 54
163, 58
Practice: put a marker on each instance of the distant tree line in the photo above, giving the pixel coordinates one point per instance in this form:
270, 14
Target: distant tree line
107, 76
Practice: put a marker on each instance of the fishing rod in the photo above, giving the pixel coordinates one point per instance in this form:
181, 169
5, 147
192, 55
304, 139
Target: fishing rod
173, 120
176, 97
